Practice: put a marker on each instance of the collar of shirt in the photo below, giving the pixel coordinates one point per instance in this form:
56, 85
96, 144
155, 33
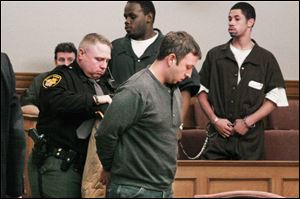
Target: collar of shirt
253, 58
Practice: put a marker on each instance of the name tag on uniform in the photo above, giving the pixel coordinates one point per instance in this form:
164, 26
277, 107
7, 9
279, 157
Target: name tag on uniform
255, 85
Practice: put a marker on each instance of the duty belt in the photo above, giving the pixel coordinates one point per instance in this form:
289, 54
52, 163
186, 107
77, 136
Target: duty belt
68, 157
61, 153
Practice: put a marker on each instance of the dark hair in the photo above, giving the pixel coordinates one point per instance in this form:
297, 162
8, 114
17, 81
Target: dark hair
147, 7
68, 47
246, 8
180, 43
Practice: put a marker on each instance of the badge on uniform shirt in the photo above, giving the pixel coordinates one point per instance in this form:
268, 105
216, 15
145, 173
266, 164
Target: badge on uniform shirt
51, 80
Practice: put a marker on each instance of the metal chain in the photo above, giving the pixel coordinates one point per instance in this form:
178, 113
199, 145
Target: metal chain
199, 154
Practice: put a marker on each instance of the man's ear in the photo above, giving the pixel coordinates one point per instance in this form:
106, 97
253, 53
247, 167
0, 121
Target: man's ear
149, 17
80, 53
251, 22
171, 59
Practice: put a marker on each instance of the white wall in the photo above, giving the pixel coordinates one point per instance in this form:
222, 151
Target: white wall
30, 30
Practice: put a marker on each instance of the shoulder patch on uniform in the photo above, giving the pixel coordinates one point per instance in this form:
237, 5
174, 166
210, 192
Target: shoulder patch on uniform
51, 80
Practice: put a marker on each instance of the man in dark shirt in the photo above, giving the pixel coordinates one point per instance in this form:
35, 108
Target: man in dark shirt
139, 48
68, 98
64, 54
241, 83
136, 141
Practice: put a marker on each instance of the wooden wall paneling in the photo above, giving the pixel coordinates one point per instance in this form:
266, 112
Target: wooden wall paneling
290, 187
207, 177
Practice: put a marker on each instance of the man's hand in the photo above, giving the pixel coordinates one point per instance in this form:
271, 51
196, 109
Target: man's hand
240, 127
103, 99
104, 177
224, 127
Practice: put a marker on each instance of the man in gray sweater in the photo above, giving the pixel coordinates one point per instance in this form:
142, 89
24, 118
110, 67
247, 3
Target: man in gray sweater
136, 140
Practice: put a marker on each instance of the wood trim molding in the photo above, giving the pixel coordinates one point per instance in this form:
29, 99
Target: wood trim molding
292, 89
23, 81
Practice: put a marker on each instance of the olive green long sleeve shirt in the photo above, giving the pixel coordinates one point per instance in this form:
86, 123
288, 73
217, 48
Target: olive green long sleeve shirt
136, 140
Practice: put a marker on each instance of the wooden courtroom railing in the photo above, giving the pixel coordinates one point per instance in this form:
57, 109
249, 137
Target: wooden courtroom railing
196, 177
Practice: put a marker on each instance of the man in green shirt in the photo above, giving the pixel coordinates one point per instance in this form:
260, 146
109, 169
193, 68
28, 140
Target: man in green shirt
136, 141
